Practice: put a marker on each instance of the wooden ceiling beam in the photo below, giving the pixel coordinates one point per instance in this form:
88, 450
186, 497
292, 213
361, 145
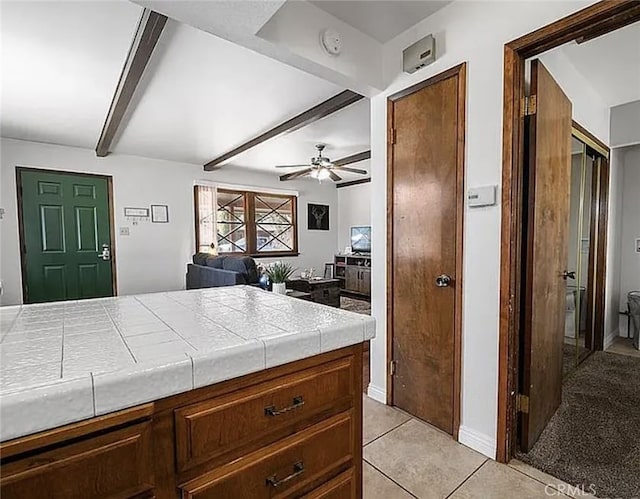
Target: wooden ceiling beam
354, 158
330, 106
144, 42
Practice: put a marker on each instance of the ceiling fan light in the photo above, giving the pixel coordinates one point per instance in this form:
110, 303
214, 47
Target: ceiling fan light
314, 173
323, 174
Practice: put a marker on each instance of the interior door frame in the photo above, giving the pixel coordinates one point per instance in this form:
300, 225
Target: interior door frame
599, 219
110, 207
595, 20
461, 72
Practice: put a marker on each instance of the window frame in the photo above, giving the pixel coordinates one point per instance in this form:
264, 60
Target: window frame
251, 227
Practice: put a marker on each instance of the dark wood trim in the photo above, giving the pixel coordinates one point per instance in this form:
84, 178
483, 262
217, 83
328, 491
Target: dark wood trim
144, 42
590, 136
390, 246
353, 182
428, 82
459, 72
602, 17
601, 252
110, 207
354, 158
330, 106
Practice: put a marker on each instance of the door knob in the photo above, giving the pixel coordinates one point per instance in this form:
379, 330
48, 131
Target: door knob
106, 253
568, 275
443, 281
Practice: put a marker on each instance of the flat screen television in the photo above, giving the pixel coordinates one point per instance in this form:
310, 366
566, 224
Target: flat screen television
361, 239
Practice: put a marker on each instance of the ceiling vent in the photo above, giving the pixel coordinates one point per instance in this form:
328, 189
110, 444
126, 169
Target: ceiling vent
420, 54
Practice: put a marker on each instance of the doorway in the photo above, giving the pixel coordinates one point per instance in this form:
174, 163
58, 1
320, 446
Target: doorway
425, 199
584, 25
66, 235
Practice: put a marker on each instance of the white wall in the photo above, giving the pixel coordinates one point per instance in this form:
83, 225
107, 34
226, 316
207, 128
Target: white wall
625, 124
474, 32
354, 208
612, 302
629, 259
589, 108
154, 256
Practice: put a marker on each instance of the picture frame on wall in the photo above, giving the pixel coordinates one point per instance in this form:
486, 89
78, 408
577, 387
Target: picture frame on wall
159, 213
317, 216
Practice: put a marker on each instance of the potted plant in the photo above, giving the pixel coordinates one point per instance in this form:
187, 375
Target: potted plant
278, 273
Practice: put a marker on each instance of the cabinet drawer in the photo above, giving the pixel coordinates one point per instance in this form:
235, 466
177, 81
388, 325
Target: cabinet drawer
116, 464
341, 487
247, 419
285, 469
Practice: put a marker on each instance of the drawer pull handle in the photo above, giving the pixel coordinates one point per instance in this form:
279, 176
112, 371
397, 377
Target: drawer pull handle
272, 411
298, 469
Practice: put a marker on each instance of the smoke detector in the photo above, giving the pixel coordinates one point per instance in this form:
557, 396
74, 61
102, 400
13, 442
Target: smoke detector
331, 41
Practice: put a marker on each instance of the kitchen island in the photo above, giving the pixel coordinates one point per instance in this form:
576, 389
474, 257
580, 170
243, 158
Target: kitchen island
223, 392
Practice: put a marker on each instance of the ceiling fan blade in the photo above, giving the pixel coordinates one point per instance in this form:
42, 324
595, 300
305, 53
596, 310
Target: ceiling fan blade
292, 175
334, 177
352, 170
292, 166
354, 158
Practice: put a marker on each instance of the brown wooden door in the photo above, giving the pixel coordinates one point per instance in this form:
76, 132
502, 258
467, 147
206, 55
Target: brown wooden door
548, 170
426, 163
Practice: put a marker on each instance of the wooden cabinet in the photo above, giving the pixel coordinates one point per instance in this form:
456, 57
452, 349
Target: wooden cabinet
287, 468
290, 431
355, 273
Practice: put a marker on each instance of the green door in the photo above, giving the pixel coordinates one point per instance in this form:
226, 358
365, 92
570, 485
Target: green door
66, 236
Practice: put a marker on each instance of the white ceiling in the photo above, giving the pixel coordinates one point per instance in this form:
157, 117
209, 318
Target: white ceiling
380, 19
611, 64
60, 65
200, 96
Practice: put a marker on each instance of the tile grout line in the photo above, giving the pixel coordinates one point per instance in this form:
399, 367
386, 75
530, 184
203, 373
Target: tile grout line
466, 479
552, 485
386, 433
389, 478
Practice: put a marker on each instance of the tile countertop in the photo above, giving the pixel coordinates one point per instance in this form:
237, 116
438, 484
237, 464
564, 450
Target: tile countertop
67, 361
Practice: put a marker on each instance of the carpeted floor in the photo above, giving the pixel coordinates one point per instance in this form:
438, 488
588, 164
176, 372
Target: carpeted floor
569, 358
355, 305
594, 437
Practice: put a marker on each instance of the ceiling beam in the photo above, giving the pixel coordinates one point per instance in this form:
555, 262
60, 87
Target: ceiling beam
144, 41
354, 158
330, 106
354, 182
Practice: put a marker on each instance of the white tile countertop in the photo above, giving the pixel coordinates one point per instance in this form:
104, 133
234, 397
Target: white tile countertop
67, 361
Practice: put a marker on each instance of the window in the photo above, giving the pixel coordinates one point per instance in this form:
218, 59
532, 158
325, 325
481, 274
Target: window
245, 222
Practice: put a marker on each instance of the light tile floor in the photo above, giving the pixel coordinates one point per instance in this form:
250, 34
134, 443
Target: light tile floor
405, 458
623, 346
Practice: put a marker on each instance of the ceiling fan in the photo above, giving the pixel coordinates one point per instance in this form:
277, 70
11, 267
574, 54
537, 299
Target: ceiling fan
322, 168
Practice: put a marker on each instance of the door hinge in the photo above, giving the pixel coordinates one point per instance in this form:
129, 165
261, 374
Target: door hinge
392, 135
529, 105
522, 403
392, 367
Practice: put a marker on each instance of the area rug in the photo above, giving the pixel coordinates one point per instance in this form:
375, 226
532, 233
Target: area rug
355, 305
594, 437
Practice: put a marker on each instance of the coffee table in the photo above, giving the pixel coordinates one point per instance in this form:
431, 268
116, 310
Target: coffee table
325, 291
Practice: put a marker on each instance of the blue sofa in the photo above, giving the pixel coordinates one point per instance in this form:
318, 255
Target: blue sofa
208, 271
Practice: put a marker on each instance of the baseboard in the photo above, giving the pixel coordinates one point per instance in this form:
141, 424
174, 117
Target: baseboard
609, 338
377, 393
477, 441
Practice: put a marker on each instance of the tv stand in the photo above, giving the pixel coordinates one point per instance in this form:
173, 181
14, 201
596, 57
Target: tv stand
354, 273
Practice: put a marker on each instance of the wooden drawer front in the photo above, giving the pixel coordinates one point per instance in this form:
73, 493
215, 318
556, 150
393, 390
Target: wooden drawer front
117, 464
341, 487
260, 414
284, 469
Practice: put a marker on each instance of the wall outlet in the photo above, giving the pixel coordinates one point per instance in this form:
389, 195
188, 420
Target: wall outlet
124, 231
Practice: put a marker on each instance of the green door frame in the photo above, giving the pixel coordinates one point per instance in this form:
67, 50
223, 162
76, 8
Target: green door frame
23, 263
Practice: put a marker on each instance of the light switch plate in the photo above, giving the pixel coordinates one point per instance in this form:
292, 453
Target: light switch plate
482, 196
124, 231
